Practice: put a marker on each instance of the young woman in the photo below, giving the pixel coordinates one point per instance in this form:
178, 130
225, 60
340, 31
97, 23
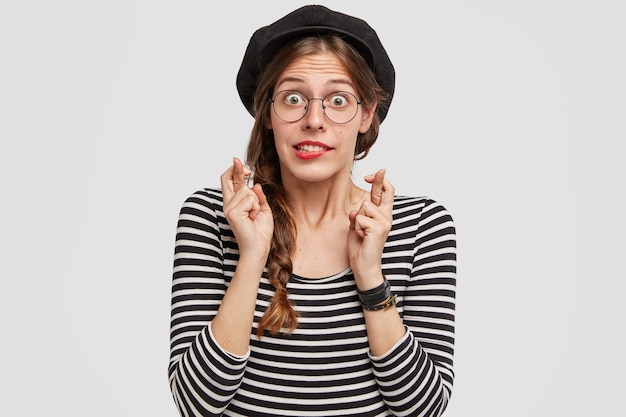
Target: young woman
305, 295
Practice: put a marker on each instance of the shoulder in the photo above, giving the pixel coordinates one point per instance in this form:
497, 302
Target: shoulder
419, 208
210, 198
422, 218
205, 203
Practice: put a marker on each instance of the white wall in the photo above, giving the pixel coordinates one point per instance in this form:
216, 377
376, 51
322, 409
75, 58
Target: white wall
509, 113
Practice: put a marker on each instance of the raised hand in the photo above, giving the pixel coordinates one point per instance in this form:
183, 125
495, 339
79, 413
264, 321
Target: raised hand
369, 228
247, 212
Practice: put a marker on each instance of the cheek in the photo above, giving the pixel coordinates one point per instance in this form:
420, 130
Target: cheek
280, 141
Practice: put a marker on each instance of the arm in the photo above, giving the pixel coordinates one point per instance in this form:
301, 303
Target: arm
249, 215
416, 375
413, 368
203, 376
212, 321
369, 229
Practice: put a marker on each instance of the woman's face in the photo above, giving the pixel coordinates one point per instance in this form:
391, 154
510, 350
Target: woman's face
314, 148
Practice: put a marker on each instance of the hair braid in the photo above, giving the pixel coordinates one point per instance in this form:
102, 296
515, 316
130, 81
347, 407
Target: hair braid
280, 312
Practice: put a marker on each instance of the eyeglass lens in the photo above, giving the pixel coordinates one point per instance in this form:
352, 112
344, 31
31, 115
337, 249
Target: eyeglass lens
339, 107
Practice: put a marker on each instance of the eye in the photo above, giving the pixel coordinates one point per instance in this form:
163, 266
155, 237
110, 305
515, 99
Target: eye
338, 100
294, 99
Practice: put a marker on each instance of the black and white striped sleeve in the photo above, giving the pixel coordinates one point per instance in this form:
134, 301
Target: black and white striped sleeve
416, 376
203, 377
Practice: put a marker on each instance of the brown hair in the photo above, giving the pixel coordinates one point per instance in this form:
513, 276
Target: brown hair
262, 159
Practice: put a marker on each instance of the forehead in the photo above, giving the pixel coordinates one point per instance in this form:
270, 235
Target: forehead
316, 70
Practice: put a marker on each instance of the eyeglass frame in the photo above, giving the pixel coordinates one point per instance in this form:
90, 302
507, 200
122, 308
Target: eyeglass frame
308, 103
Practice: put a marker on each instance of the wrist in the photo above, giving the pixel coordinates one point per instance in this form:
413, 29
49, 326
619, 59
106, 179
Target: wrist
365, 282
252, 261
254, 252
378, 298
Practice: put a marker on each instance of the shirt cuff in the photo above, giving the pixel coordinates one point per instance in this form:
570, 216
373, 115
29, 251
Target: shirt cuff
400, 345
238, 358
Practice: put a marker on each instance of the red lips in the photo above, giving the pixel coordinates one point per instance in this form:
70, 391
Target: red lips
310, 149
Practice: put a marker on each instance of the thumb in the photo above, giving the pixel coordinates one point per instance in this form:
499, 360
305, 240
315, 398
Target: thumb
263, 203
354, 226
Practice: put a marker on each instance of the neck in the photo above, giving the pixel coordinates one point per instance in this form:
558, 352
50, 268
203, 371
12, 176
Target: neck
315, 203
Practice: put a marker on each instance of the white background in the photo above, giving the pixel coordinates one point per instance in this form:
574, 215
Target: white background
511, 114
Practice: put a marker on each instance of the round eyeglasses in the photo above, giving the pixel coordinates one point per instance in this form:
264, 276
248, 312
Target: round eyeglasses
339, 107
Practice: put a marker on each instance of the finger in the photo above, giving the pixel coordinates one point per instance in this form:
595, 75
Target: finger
369, 210
388, 196
254, 209
226, 179
375, 219
378, 186
261, 203
351, 216
244, 203
239, 175
354, 225
372, 230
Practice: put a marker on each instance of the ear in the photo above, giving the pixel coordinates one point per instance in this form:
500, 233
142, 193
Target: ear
268, 123
366, 118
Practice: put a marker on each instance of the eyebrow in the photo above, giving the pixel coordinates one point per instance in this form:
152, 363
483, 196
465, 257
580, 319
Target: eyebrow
335, 81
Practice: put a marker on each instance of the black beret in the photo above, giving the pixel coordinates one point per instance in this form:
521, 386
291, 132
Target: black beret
307, 20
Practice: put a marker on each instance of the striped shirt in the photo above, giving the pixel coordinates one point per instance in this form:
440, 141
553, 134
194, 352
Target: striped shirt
324, 368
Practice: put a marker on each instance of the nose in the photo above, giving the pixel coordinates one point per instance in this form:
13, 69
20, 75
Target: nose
315, 114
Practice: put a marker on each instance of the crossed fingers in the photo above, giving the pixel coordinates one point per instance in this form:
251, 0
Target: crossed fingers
382, 191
